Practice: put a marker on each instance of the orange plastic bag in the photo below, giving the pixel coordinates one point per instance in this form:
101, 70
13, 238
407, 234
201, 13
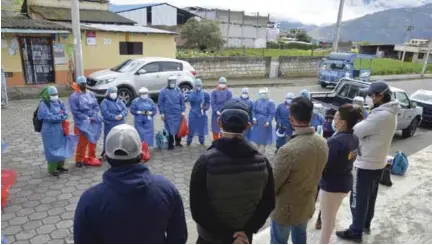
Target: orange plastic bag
8, 178
145, 150
183, 130
75, 87
65, 126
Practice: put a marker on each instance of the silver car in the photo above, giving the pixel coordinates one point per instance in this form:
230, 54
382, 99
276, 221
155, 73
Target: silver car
133, 74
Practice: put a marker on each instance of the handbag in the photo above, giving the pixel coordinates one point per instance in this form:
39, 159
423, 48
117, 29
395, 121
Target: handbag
183, 130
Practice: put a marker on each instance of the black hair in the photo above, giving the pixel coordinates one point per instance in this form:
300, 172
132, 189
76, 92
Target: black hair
330, 113
301, 109
351, 114
116, 162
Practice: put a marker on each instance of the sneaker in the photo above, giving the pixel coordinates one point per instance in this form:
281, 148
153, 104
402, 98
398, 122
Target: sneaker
349, 236
62, 169
55, 174
79, 164
318, 225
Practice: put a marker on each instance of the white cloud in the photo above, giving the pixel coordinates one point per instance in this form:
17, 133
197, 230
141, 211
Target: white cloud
307, 11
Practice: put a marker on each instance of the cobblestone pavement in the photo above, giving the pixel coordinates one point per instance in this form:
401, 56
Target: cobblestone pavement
41, 208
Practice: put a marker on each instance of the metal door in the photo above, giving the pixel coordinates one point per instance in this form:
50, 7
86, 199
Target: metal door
37, 59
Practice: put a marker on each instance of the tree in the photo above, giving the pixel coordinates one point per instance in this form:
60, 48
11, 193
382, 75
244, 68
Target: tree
203, 35
303, 37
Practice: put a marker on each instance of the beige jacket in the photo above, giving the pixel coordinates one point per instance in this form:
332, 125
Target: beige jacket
298, 166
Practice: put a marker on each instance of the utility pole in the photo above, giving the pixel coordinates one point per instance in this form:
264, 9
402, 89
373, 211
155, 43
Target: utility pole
76, 29
426, 59
338, 24
409, 29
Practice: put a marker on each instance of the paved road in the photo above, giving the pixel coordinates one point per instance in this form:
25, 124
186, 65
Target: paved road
41, 208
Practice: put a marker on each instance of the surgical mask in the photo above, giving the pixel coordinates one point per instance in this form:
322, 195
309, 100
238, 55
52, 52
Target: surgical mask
222, 85
230, 133
144, 96
54, 97
264, 96
172, 85
113, 96
288, 101
334, 125
198, 88
369, 102
244, 96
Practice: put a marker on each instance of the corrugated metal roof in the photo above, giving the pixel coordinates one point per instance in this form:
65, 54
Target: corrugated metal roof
127, 28
32, 31
86, 15
128, 7
23, 22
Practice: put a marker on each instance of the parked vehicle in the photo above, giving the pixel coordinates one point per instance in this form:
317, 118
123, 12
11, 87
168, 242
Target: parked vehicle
409, 117
133, 74
342, 65
423, 98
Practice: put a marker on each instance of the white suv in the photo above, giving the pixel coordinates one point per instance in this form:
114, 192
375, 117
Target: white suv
133, 74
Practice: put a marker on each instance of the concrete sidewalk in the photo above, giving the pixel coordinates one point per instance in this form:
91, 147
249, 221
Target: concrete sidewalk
19, 93
402, 213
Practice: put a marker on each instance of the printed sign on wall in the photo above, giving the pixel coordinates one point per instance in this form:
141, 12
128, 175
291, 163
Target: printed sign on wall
59, 54
91, 38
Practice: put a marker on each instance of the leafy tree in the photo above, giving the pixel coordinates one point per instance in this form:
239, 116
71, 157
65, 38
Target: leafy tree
303, 37
203, 35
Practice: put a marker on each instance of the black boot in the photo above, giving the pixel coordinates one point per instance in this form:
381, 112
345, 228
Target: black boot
178, 141
79, 164
62, 169
349, 236
170, 142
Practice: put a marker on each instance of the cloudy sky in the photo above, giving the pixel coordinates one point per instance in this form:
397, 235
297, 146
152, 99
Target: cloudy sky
307, 11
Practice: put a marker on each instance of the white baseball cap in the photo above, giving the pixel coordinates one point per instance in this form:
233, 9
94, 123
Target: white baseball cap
123, 143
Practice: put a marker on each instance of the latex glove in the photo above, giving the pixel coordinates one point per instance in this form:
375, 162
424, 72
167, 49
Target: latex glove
163, 117
183, 114
266, 124
140, 112
254, 121
119, 117
218, 113
149, 113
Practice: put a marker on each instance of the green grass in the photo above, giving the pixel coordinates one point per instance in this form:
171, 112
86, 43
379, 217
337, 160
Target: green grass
383, 66
274, 53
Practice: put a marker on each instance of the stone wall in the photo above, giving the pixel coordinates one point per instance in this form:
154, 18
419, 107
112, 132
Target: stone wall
231, 67
299, 66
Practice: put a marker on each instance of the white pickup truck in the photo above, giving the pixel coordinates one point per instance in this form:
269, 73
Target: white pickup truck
409, 117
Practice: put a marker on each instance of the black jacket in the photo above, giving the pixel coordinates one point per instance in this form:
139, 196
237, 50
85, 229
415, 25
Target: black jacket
337, 175
231, 189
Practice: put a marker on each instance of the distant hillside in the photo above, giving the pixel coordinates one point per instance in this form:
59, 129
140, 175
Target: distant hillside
286, 25
388, 26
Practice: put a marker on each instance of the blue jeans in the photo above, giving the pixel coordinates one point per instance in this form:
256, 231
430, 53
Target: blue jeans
279, 234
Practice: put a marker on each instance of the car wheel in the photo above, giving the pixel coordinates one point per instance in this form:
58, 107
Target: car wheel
185, 87
126, 95
410, 131
323, 85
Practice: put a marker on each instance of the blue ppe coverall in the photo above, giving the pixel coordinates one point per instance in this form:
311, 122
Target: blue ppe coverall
172, 105
218, 98
85, 106
317, 120
57, 146
264, 112
250, 105
110, 109
282, 121
144, 123
198, 120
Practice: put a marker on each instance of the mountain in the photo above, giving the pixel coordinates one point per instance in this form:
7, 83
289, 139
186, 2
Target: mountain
388, 26
286, 25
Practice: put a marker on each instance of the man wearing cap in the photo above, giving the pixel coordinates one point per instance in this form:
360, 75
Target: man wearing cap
249, 102
218, 97
88, 124
172, 109
131, 205
283, 126
375, 133
231, 187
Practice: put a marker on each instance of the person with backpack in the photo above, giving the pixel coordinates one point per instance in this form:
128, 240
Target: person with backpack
88, 124
172, 109
337, 179
199, 105
144, 109
52, 113
375, 134
113, 112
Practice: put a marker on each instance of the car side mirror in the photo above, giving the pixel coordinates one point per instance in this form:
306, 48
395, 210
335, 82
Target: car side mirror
142, 72
413, 104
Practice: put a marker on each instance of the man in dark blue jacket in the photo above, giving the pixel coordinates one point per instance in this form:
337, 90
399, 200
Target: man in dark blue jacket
131, 205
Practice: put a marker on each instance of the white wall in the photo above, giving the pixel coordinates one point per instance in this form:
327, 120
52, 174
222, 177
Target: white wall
165, 15
139, 16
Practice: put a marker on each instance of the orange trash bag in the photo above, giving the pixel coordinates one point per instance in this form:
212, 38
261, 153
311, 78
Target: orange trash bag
183, 130
8, 178
65, 126
146, 153
75, 87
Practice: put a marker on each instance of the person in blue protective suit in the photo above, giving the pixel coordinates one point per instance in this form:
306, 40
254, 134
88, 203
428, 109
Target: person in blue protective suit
283, 125
113, 111
317, 118
218, 98
88, 124
199, 105
144, 110
263, 112
360, 101
52, 113
172, 109
244, 97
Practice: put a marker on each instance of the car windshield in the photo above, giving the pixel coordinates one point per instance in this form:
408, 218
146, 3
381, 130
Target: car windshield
422, 96
126, 66
332, 65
